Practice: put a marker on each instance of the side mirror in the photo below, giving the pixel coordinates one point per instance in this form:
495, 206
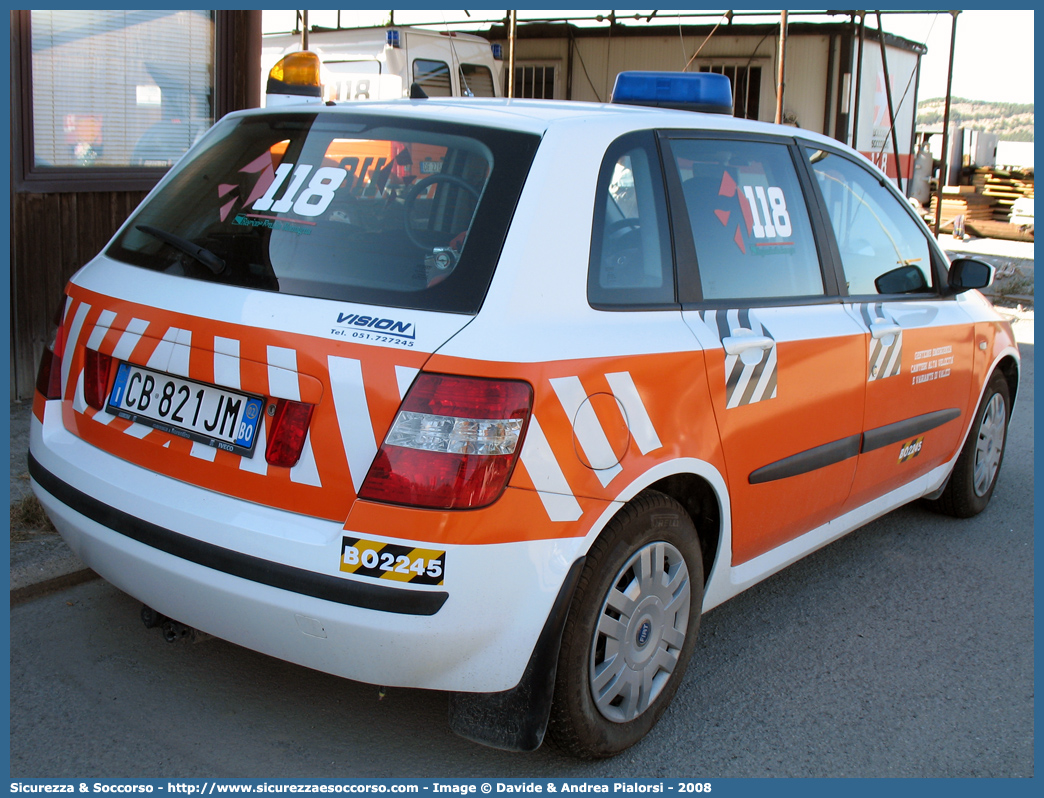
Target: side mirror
968, 273
904, 280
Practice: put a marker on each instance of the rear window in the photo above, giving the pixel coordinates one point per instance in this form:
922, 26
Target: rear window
352, 207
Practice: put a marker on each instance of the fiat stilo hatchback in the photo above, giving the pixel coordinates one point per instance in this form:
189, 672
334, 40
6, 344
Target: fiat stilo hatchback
496, 397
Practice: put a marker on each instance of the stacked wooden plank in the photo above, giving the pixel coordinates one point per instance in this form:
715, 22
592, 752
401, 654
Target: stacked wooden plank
963, 201
1003, 188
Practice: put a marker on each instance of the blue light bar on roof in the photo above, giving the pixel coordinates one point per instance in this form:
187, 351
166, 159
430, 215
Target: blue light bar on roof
687, 91
393, 38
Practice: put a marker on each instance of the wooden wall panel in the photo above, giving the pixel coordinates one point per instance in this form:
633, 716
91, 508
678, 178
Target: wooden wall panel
54, 233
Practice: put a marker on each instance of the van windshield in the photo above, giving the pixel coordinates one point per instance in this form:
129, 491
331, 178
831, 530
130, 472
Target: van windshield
385, 211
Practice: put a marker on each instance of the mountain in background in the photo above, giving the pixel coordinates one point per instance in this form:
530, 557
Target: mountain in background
1010, 121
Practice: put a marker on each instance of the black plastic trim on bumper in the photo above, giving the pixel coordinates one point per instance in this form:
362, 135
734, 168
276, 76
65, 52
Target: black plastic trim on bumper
254, 569
903, 430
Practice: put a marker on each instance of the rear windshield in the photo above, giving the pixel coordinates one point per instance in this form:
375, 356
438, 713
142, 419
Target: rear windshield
406, 214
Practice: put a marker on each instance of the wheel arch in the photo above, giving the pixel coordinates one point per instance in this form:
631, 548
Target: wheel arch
700, 501
1009, 367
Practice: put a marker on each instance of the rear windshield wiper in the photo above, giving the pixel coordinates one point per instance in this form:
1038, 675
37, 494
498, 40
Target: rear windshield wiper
202, 254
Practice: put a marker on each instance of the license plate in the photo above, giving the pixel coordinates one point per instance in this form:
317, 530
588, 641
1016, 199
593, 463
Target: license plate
209, 414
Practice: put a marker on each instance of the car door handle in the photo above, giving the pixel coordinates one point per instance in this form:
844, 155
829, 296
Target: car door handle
745, 340
884, 329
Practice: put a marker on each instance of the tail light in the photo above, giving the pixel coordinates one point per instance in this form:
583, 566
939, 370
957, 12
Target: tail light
49, 376
288, 431
453, 444
96, 367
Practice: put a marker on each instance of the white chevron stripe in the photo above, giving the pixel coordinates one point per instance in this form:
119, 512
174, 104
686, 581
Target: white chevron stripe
226, 362
181, 354
203, 452
306, 472
105, 319
139, 431
160, 357
588, 430
641, 426
547, 476
79, 400
283, 381
129, 340
70, 343
353, 416
404, 376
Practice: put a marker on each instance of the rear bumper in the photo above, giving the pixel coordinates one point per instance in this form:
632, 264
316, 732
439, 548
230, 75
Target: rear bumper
269, 580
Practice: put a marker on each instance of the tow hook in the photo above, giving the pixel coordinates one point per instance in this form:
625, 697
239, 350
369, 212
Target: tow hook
151, 618
173, 631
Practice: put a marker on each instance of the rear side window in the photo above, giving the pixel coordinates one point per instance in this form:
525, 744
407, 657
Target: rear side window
883, 250
338, 206
749, 221
476, 81
631, 258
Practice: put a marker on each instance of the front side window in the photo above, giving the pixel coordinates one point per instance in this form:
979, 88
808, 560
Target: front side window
883, 250
433, 77
749, 222
631, 260
335, 206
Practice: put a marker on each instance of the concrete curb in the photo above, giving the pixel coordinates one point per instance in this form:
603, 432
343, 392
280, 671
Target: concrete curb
28, 592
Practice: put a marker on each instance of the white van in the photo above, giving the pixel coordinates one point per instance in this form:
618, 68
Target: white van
382, 63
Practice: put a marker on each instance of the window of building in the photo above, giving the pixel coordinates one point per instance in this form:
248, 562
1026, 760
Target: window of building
114, 93
746, 88
534, 81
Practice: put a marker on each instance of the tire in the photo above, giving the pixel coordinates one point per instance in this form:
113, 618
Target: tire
618, 671
974, 475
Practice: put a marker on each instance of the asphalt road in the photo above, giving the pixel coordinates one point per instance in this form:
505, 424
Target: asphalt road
904, 649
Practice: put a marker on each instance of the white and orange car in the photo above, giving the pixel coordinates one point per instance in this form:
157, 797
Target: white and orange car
496, 397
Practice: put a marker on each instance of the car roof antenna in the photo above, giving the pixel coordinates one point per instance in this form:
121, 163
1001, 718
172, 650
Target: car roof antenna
416, 92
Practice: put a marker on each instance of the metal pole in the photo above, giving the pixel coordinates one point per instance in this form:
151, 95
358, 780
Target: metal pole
858, 81
946, 130
891, 109
829, 85
304, 30
511, 53
782, 66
